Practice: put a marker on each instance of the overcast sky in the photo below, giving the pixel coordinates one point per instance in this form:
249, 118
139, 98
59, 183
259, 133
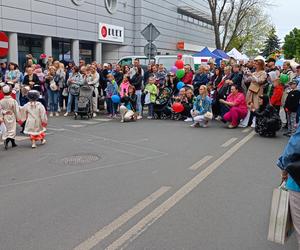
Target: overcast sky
285, 16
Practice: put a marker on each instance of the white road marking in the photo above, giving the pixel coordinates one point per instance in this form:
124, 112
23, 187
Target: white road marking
246, 130
229, 142
158, 212
57, 129
89, 122
117, 223
83, 171
21, 138
102, 120
201, 162
76, 126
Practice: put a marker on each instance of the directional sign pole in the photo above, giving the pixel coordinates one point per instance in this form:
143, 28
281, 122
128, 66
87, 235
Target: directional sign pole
150, 42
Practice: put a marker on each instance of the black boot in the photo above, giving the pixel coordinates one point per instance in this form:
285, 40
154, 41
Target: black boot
13, 143
6, 143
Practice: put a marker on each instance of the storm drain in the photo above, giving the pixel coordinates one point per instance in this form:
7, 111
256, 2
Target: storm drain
80, 159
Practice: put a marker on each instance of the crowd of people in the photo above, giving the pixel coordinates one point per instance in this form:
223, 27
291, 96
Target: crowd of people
256, 93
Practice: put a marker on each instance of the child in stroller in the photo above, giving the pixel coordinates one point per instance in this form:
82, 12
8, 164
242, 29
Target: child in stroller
162, 106
85, 101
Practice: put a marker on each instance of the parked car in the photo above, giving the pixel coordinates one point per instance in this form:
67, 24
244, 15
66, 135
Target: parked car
167, 60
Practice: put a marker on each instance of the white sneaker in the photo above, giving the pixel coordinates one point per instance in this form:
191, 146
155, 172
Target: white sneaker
33, 145
56, 114
218, 118
188, 119
242, 125
94, 115
195, 125
66, 114
43, 141
149, 117
139, 117
51, 114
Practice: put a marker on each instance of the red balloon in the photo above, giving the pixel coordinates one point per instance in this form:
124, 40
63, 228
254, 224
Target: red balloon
179, 64
177, 107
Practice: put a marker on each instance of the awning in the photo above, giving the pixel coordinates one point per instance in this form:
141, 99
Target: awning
195, 13
206, 53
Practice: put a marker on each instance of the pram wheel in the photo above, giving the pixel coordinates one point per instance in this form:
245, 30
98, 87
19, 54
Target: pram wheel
155, 116
164, 116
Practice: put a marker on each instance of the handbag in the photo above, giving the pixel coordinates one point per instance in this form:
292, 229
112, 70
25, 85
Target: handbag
65, 92
147, 98
53, 86
208, 115
280, 226
254, 88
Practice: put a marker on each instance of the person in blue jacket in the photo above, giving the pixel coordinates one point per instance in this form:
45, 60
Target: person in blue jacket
290, 155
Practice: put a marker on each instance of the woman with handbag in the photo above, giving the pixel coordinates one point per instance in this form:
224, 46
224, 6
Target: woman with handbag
75, 81
256, 88
201, 112
53, 91
238, 110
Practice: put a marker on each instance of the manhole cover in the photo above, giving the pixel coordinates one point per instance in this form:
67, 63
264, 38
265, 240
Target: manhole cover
80, 159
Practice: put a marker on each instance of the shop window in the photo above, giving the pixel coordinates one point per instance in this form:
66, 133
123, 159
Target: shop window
29, 45
86, 52
61, 51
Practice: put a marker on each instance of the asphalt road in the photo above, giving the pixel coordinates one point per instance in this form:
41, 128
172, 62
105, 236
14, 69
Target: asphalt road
156, 185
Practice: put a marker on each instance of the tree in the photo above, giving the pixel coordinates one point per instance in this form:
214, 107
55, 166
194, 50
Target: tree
272, 43
291, 45
251, 33
227, 17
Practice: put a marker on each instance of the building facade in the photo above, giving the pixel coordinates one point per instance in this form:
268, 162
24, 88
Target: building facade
102, 30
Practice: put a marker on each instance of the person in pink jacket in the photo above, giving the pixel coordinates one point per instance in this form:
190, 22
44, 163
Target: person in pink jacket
236, 102
124, 86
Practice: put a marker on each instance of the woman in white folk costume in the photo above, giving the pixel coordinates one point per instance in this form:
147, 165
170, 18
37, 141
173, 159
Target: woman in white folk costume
36, 118
10, 114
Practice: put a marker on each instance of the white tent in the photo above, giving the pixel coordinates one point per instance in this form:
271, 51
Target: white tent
236, 54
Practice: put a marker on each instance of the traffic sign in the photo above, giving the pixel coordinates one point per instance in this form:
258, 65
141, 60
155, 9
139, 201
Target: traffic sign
150, 33
3, 45
150, 50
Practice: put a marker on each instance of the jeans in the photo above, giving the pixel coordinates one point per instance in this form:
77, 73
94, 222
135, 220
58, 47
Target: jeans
139, 108
151, 109
70, 101
53, 100
291, 120
110, 106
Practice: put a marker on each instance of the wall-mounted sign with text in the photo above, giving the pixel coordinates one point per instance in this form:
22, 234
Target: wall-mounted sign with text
111, 33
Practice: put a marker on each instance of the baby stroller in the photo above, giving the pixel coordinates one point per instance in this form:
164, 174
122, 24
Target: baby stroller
162, 107
85, 102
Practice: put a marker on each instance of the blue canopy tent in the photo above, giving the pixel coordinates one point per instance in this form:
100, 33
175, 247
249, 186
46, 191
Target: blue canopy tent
221, 53
206, 53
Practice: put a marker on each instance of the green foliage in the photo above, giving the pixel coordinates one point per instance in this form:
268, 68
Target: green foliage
291, 45
251, 33
271, 44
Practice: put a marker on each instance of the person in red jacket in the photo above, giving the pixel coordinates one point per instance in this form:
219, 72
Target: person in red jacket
188, 77
278, 90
